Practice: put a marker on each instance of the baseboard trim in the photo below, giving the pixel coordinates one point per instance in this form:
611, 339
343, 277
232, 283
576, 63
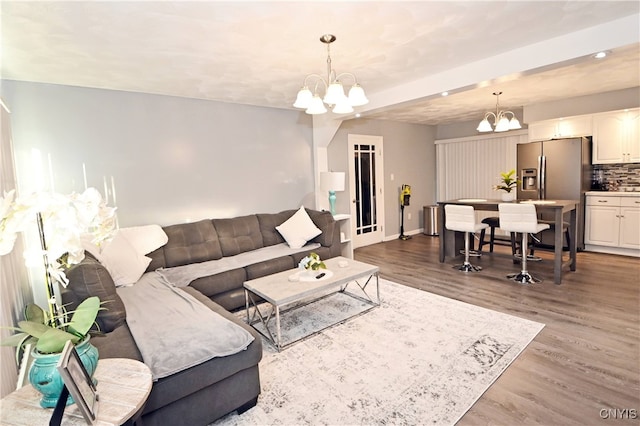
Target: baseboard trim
612, 250
396, 236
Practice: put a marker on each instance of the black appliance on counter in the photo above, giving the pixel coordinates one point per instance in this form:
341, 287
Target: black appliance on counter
597, 181
557, 169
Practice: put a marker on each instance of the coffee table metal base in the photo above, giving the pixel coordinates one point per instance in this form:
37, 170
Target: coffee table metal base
275, 311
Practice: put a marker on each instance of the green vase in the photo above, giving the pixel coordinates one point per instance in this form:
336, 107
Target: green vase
44, 376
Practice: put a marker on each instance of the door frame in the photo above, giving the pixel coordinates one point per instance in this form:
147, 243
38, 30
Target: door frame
378, 235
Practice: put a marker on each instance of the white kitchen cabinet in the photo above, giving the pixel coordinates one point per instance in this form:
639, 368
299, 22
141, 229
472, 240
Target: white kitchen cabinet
612, 224
630, 224
560, 128
616, 137
344, 222
602, 225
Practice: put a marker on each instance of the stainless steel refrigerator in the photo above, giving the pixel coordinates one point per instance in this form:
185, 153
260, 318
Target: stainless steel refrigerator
557, 169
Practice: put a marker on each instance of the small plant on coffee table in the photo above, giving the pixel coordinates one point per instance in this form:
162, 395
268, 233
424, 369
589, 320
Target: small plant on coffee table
312, 262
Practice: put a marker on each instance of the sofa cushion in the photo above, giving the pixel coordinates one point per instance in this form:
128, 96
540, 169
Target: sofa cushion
327, 224
298, 229
169, 389
157, 260
239, 234
268, 223
324, 253
191, 243
220, 283
269, 267
90, 278
117, 344
232, 300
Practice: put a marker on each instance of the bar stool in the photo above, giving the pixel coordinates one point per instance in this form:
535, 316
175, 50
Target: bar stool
494, 222
537, 243
521, 218
463, 219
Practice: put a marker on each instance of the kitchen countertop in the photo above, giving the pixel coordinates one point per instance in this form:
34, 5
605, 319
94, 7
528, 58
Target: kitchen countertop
615, 193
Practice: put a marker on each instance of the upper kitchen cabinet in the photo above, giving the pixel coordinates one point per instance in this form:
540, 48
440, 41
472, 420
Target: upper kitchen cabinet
616, 137
560, 128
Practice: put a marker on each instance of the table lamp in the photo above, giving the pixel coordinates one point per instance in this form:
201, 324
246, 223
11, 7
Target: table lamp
332, 182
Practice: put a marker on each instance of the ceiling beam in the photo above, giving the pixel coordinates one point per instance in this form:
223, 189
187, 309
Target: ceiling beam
533, 58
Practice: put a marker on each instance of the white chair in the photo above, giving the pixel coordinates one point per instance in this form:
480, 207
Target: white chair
521, 218
463, 219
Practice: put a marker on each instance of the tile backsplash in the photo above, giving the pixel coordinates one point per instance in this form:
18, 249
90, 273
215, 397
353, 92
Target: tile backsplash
619, 176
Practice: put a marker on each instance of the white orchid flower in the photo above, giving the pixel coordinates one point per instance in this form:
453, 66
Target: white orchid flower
56, 272
5, 204
7, 241
33, 257
65, 218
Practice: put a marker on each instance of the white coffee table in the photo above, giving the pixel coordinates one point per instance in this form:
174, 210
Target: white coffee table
280, 292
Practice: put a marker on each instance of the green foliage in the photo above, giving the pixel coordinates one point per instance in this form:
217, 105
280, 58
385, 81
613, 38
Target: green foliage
508, 180
38, 328
313, 262
35, 313
84, 317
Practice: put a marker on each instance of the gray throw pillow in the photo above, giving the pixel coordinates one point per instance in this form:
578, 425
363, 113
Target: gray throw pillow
323, 220
89, 278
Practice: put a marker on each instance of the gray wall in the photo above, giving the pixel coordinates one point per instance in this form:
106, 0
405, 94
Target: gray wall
172, 159
590, 104
409, 154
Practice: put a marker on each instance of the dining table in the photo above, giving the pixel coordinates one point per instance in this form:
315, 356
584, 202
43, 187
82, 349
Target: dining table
561, 209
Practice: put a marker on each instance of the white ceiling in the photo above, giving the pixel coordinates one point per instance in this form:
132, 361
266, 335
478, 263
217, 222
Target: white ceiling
258, 53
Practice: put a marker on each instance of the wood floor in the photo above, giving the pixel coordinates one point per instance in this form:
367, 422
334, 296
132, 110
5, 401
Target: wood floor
584, 366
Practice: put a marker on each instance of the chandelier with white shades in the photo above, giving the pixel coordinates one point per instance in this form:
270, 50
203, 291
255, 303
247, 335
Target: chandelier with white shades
334, 96
501, 122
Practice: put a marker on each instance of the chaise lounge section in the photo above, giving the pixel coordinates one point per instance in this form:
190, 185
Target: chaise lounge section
203, 393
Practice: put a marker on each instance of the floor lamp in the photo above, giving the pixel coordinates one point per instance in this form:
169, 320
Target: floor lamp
332, 182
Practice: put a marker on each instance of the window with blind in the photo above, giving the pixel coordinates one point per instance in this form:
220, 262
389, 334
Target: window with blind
470, 167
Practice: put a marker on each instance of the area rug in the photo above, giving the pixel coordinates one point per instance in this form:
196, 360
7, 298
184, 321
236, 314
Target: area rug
416, 359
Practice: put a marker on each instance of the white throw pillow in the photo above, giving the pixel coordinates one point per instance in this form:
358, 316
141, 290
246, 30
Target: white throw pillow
298, 229
125, 264
145, 239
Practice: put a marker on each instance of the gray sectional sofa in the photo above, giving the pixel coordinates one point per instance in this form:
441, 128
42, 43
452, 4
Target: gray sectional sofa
203, 393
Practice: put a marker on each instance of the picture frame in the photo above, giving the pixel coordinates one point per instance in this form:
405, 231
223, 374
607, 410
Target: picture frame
79, 383
25, 365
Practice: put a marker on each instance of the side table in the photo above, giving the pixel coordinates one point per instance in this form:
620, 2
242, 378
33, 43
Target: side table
123, 388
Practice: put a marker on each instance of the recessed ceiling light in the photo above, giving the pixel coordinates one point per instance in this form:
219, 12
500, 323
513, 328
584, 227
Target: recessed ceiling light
358, 115
600, 55
445, 93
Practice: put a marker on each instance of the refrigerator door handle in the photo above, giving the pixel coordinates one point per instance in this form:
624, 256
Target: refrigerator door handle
539, 188
542, 195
